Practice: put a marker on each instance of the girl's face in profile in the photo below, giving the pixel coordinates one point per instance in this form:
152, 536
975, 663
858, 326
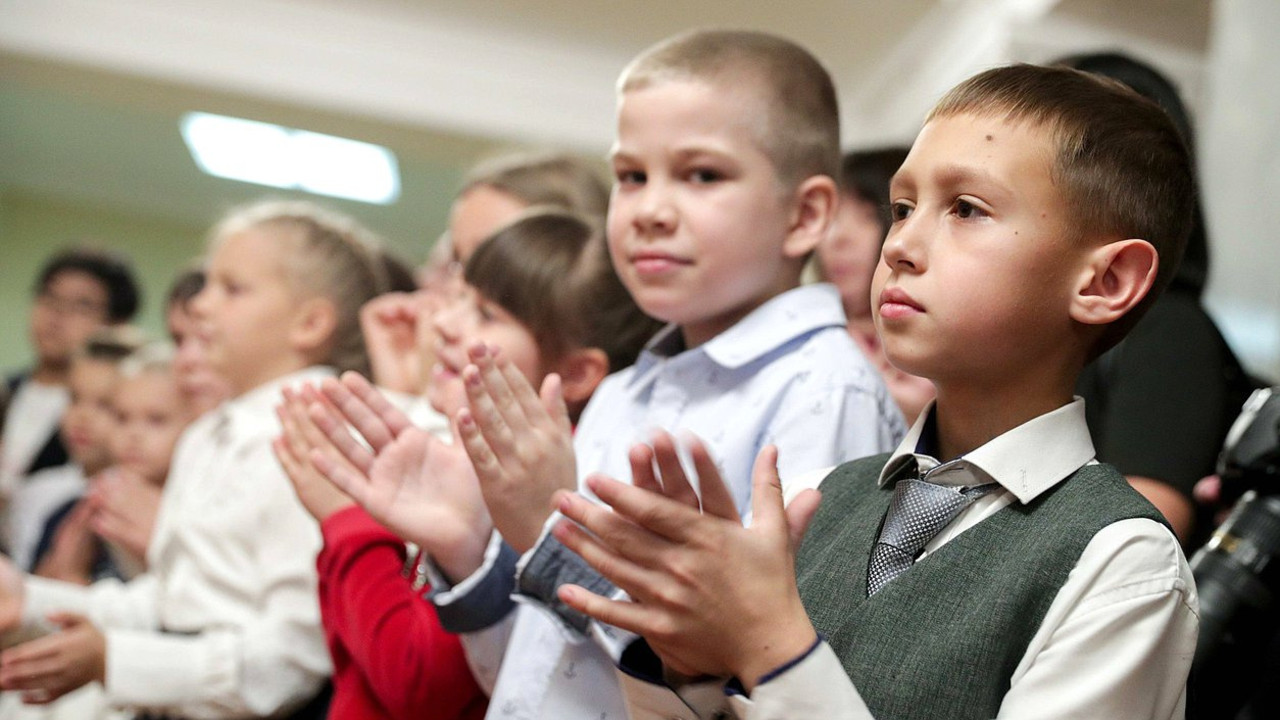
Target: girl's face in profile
248, 309
202, 388
466, 319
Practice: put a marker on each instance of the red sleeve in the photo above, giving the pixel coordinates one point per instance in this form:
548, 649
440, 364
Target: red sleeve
413, 667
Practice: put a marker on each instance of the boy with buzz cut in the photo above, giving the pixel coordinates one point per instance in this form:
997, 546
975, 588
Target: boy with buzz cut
989, 567
726, 149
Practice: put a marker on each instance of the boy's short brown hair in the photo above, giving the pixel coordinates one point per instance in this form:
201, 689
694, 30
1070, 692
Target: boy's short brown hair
1120, 162
801, 127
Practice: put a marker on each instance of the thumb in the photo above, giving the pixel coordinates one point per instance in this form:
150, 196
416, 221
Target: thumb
766, 492
800, 512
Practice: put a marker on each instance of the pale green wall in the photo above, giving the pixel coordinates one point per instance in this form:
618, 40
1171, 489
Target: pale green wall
33, 228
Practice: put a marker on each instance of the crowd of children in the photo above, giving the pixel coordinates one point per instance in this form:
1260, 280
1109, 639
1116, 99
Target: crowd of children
613, 458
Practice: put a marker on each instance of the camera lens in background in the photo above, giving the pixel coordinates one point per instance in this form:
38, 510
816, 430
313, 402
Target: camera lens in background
1238, 571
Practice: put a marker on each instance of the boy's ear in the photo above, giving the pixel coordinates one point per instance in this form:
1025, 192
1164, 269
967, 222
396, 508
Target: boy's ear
813, 208
313, 324
1116, 278
580, 372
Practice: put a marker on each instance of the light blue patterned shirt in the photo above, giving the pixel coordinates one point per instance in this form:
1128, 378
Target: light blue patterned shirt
788, 374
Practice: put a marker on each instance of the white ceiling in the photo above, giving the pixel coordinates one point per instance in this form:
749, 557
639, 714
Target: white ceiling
90, 90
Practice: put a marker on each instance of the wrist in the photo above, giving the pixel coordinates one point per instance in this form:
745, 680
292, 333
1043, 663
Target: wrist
460, 558
781, 646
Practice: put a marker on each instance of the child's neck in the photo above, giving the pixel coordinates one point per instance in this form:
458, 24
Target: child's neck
967, 420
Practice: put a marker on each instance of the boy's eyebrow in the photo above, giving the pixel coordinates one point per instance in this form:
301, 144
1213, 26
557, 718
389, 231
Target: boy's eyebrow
957, 174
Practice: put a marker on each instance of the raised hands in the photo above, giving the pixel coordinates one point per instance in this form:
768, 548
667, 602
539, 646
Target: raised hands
299, 437
421, 488
124, 510
712, 597
74, 550
397, 332
520, 442
49, 667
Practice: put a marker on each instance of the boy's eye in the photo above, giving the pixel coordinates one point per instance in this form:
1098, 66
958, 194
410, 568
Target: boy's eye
899, 211
966, 210
705, 175
629, 177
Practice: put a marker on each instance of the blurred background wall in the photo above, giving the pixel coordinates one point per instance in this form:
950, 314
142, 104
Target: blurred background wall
91, 93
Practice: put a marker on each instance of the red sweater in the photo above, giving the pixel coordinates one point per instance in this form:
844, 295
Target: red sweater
391, 658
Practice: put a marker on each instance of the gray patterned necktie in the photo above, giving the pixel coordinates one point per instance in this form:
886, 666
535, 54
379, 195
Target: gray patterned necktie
918, 510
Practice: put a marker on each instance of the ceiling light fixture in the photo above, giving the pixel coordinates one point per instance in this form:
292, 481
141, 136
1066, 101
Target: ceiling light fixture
266, 154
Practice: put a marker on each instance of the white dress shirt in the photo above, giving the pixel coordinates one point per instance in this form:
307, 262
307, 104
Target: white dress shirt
226, 623
31, 418
788, 374
1116, 642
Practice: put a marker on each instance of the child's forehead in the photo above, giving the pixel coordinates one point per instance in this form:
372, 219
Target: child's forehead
970, 145
714, 110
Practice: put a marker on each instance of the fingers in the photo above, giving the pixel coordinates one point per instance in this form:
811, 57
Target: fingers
767, 510
355, 411
33, 665
392, 418
659, 514
617, 547
340, 439
675, 484
642, 474
629, 616
345, 477
473, 441
716, 498
487, 412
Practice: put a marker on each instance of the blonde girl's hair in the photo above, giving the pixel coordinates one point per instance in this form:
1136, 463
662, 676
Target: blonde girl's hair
555, 179
153, 357
330, 255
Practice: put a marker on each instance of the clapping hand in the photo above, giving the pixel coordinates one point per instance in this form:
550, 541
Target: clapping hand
520, 442
420, 487
711, 597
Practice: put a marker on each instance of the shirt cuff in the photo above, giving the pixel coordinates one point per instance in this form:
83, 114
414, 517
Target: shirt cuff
145, 669
810, 687
42, 596
547, 566
481, 600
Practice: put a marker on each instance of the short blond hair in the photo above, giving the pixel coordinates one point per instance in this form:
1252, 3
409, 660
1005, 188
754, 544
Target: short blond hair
801, 123
331, 255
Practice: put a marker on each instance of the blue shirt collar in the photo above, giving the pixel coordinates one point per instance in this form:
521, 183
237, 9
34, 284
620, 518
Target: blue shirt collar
780, 320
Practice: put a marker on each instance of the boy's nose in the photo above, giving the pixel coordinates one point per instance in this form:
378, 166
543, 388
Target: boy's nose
903, 248
654, 210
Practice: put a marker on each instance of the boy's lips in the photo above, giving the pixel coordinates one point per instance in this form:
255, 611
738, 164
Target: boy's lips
654, 262
896, 303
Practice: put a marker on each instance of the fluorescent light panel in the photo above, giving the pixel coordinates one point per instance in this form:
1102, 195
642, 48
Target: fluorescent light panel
266, 154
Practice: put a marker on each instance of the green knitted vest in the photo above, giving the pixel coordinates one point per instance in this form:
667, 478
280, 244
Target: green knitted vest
942, 639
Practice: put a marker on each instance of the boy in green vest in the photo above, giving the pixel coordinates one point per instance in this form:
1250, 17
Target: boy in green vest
989, 567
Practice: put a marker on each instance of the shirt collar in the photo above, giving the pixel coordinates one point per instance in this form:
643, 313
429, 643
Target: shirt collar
253, 413
1026, 461
778, 321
